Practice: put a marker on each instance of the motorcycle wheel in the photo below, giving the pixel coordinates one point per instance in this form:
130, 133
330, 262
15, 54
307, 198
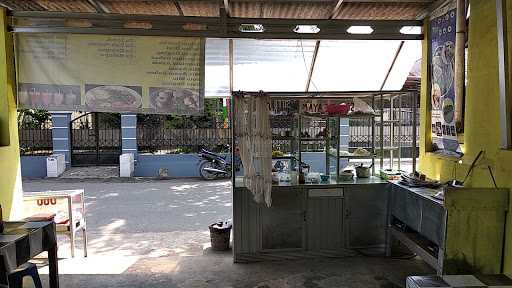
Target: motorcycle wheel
206, 175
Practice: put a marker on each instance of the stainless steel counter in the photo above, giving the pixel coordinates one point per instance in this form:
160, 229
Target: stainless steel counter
319, 218
330, 184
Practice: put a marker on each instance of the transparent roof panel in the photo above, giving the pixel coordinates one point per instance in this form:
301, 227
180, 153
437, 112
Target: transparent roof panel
409, 55
272, 65
283, 65
216, 68
352, 65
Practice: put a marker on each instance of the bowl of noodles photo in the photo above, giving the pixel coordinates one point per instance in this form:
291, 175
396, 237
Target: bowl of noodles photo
179, 101
117, 98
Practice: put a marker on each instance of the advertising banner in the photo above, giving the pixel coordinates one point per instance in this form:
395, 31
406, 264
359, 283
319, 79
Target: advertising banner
442, 47
108, 73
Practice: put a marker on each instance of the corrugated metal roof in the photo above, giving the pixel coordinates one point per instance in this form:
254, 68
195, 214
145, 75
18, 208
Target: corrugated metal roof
380, 11
141, 7
23, 5
66, 5
319, 9
200, 8
297, 10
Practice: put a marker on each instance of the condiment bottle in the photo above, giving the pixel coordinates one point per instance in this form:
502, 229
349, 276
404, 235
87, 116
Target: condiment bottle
302, 179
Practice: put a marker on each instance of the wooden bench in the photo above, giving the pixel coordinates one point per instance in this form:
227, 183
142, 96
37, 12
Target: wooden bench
68, 207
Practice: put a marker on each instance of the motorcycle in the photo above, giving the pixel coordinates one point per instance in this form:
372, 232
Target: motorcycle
213, 166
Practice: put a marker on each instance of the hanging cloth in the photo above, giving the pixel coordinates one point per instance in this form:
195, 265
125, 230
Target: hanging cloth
252, 127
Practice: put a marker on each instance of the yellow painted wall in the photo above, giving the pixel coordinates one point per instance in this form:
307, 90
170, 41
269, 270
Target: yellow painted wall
481, 116
10, 171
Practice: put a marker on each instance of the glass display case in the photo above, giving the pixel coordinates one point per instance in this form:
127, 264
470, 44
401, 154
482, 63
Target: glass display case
306, 130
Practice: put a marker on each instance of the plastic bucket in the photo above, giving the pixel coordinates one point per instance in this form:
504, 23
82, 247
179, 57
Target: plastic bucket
220, 234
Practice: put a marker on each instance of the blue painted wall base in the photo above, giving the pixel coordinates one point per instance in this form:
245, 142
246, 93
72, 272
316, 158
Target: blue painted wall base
187, 165
33, 166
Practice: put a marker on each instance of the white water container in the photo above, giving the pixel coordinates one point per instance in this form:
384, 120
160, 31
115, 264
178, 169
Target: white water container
55, 165
126, 165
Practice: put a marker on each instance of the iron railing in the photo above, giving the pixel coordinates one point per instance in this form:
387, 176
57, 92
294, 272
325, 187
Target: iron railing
35, 139
158, 136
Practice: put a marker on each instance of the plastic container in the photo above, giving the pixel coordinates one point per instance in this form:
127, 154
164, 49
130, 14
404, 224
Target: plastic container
362, 172
220, 234
346, 176
325, 178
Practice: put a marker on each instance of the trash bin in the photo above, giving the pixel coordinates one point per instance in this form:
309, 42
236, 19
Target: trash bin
220, 234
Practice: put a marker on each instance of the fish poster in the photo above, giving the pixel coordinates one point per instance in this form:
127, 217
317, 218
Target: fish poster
442, 47
110, 73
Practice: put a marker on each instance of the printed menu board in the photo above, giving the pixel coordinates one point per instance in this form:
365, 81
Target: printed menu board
109, 73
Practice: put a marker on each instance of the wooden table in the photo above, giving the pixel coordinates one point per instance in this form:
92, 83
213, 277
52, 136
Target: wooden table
21, 241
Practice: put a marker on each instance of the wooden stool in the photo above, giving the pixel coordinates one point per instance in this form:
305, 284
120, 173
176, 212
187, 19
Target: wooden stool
27, 269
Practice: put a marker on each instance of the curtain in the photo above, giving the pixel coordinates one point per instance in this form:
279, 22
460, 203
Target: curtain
252, 127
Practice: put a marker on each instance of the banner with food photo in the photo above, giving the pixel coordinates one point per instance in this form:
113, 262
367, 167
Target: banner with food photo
442, 47
111, 73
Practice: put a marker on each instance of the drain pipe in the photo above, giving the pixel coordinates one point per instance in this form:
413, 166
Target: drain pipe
460, 62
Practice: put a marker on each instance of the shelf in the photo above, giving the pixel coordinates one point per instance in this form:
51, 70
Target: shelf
386, 148
287, 138
324, 116
387, 121
356, 157
312, 139
352, 156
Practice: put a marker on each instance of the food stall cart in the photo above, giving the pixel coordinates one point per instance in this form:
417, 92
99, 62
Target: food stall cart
333, 215
330, 211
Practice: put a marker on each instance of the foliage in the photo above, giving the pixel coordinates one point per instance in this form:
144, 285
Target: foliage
32, 118
212, 115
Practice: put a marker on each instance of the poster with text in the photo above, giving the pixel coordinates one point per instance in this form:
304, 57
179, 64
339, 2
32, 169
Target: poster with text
442, 45
108, 73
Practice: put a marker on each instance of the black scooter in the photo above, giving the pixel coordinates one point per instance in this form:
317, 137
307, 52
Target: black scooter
213, 166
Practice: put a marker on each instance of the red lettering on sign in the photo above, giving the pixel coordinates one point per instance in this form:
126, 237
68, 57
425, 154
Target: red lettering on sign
47, 201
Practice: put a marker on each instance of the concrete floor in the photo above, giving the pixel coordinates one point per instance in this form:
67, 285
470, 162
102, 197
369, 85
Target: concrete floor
150, 233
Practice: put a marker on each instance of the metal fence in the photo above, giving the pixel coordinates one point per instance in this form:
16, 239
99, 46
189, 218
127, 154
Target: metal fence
35, 139
158, 136
396, 133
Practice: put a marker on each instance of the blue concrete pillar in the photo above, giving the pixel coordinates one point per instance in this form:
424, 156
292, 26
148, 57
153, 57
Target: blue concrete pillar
61, 135
129, 133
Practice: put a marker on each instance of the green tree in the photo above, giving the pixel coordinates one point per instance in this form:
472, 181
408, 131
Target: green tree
32, 118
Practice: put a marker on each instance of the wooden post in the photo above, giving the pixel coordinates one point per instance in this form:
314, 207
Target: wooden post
460, 62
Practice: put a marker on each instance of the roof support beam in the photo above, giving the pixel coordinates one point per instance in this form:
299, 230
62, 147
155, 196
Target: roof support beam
100, 8
231, 66
312, 67
223, 27
178, 7
5, 5
226, 7
336, 9
352, 1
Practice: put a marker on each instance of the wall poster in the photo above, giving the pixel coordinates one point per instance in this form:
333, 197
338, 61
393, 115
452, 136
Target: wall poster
108, 73
442, 47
